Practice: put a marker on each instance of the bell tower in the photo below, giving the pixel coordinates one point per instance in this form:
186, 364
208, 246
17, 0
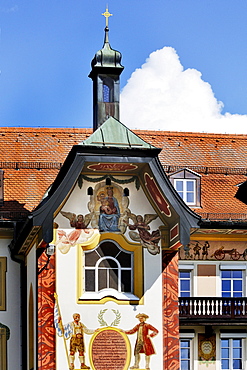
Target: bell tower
106, 69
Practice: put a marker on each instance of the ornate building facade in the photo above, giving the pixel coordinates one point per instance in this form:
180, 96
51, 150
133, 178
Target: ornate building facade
121, 249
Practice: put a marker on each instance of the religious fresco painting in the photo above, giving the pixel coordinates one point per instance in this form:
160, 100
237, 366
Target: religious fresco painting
108, 212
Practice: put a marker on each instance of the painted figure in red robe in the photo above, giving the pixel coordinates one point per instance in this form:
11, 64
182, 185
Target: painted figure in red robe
143, 342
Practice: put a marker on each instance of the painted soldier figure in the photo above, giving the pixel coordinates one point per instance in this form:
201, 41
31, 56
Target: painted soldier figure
143, 342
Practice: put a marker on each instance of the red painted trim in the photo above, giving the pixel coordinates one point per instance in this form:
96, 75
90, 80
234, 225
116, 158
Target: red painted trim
112, 167
156, 194
170, 310
46, 330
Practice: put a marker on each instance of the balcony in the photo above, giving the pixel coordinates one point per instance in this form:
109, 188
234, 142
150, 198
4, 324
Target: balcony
213, 311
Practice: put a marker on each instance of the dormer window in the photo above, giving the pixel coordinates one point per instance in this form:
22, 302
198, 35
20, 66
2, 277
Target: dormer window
186, 188
187, 183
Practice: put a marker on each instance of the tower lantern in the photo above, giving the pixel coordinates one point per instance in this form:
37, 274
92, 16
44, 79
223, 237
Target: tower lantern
106, 69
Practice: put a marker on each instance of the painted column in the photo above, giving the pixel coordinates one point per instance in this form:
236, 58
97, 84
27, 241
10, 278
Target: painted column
170, 310
46, 329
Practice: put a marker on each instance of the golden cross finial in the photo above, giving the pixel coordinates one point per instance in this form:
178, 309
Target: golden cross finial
106, 14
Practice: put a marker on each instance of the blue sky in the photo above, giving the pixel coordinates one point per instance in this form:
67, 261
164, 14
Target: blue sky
46, 48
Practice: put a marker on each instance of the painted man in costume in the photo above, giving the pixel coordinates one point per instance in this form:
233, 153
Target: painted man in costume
75, 330
143, 342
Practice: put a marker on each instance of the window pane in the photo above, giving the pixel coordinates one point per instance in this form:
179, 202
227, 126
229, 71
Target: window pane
225, 352
185, 365
237, 294
106, 94
184, 274
126, 281
102, 277
237, 274
237, 342
225, 364
237, 364
226, 273
226, 285
179, 185
89, 280
190, 185
237, 352
226, 294
190, 197
237, 285
224, 342
91, 258
124, 259
108, 249
185, 353
108, 263
113, 279
184, 343
185, 294
185, 285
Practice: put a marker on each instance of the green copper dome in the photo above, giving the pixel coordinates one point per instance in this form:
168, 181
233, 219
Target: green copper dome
107, 57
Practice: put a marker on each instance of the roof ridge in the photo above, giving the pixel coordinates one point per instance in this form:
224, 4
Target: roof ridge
87, 130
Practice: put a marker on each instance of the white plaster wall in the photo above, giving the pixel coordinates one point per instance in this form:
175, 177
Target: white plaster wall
11, 317
206, 286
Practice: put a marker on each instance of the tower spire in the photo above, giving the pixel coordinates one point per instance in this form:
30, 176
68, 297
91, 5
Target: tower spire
106, 69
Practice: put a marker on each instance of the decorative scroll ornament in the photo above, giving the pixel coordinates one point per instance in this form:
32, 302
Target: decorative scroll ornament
115, 322
101, 178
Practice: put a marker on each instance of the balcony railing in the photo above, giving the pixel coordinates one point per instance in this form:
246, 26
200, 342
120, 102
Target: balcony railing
218, 308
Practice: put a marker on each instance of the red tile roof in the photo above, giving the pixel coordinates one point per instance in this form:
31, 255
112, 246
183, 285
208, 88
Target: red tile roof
31, 158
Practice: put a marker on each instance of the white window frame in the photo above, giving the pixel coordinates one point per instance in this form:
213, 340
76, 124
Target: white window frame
187, 268
185, 191
232, 336
118, 294
119, 268
186, 337
234, 267
181, 279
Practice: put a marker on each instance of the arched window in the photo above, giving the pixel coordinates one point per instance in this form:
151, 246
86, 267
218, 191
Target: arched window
110, 270
106, 94
109, 267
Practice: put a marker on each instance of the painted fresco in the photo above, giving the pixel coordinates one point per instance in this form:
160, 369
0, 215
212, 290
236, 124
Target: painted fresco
214, 250
108, 210
147, 239
143, 343
170, 310
74, 331
120, 328
109, 346
46, 330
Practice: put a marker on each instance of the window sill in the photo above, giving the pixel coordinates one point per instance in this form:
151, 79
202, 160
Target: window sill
109, 293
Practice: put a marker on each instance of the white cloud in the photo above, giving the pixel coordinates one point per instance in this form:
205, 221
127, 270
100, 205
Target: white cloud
161, 95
